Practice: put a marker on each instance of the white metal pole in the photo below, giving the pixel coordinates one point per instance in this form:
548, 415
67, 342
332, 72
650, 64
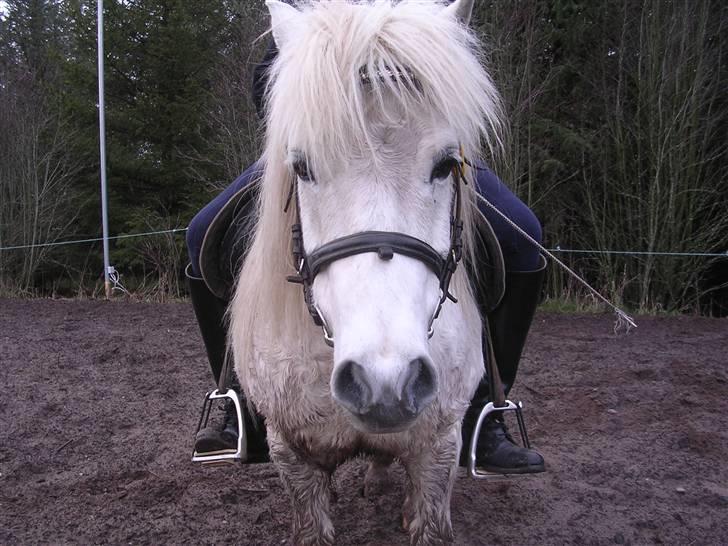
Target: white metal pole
102, 149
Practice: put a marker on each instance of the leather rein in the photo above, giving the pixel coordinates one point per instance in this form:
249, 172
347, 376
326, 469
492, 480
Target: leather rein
385, 244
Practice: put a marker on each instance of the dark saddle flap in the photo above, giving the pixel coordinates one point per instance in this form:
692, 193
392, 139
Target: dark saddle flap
226, 241
490, 282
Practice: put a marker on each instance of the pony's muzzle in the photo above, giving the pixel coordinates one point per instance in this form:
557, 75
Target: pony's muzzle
382, 407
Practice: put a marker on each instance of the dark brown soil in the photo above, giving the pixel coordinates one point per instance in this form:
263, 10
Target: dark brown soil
100, 400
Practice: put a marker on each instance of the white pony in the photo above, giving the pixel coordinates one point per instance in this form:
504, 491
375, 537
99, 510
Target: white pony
370, 107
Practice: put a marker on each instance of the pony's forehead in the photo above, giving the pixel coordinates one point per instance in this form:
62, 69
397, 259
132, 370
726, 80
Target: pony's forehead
387, 132
389, 138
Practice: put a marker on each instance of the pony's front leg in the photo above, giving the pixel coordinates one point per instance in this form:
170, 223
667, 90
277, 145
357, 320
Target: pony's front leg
431, 475
309, 487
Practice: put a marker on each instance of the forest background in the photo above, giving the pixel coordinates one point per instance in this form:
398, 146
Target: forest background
618, 138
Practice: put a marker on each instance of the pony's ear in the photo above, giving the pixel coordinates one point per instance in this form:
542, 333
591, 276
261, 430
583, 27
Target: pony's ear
282, 16
461, 10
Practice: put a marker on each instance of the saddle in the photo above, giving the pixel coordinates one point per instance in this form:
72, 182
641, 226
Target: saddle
228, 236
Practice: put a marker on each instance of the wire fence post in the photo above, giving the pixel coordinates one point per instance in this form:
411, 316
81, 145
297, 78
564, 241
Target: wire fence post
102, 148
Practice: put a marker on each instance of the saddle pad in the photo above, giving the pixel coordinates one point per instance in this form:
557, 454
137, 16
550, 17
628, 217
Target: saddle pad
227, 237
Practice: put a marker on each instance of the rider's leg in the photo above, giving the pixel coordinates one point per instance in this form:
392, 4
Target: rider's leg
509, 324
210, 313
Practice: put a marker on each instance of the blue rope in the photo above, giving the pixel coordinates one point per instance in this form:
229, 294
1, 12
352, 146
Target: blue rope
641, 253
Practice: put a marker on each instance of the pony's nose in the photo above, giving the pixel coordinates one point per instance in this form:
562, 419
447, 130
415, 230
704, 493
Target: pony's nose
385, 407
420, 385
351, 387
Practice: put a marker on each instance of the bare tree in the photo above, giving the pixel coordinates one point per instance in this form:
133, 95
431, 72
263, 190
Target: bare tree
36, 174
659, 181
235, 141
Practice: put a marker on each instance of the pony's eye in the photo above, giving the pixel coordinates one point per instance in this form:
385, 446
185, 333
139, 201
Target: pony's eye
300, 167
443, 168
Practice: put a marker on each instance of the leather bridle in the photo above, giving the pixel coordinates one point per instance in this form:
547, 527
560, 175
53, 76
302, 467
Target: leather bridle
385, 244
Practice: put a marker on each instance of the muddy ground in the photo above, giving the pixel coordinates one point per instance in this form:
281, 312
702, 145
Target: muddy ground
100, 400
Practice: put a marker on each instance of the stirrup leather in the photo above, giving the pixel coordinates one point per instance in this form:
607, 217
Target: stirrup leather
487, 410
240, 454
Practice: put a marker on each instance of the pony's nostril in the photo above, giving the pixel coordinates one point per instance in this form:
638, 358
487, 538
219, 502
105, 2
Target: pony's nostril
351, 388
420, 385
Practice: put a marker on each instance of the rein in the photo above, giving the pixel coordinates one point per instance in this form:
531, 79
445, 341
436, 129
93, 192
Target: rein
385, 244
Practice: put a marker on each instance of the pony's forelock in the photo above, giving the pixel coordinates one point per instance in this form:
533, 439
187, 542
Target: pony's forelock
318, 102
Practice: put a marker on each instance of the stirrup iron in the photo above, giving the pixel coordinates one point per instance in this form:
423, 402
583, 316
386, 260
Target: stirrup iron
222, 458
487, 410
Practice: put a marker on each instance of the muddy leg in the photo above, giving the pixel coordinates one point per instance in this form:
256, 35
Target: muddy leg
309, 488
431, 477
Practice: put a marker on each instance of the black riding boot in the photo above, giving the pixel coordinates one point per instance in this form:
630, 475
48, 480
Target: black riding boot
509, 324
223, 438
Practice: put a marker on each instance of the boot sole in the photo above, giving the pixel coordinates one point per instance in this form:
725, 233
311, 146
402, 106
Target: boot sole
253, 458
204, 452
534, 469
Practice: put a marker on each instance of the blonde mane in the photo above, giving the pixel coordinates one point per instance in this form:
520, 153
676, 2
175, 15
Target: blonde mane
317, 98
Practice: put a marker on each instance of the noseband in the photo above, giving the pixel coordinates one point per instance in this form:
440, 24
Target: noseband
385, 244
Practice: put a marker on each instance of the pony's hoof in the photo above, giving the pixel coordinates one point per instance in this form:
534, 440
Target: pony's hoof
325, 539
405, 523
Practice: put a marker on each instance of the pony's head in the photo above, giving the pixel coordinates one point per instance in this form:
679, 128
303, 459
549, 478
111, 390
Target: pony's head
369, 108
